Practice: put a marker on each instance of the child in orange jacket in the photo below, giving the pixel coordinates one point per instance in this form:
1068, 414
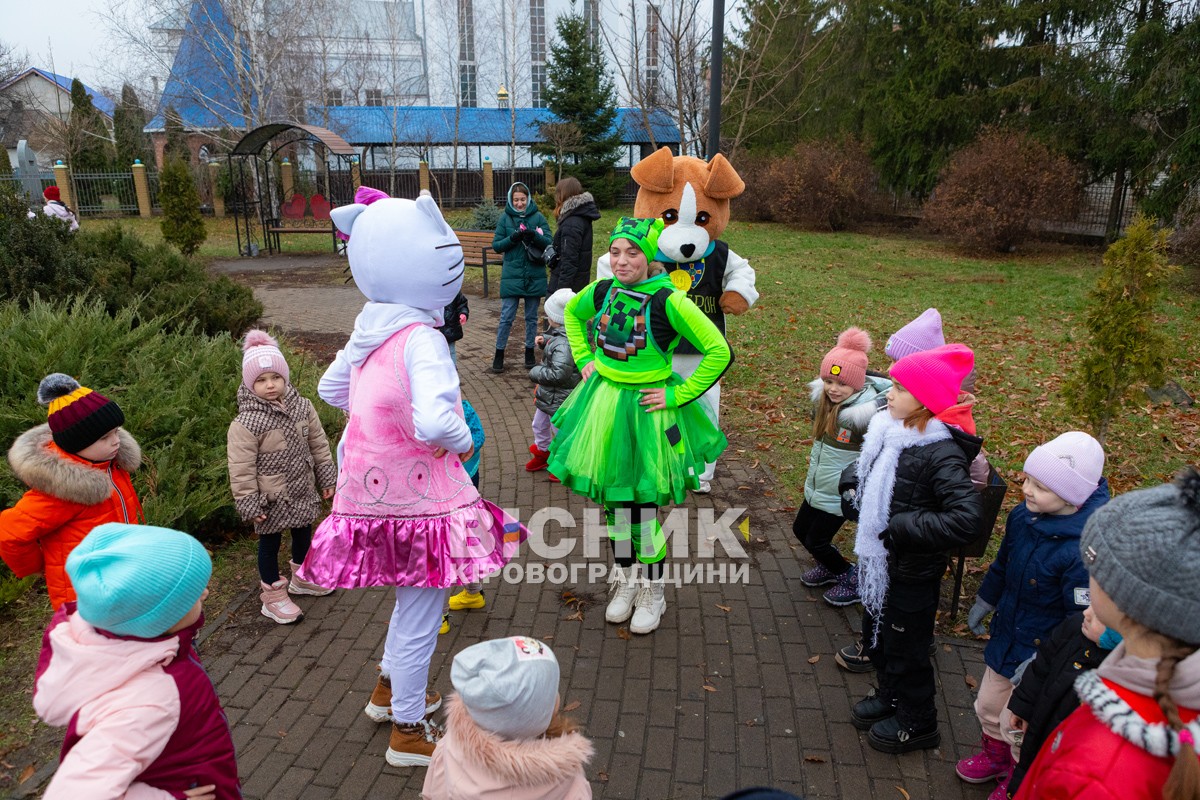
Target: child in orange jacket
77, 469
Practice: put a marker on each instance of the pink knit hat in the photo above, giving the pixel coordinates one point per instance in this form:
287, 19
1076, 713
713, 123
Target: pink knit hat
923, 333
934, 376
1070, 466
847, 362
261, 354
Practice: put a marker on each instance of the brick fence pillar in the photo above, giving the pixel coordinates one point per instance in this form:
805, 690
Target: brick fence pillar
141, 188
62, 179
489, 189
214, 172
550, 182
355, 173
287, 180
423, 169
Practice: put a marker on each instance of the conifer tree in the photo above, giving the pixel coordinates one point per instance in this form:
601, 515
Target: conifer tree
182, 223
176, 146
1125, 345
128, 121
580, 91
89, 147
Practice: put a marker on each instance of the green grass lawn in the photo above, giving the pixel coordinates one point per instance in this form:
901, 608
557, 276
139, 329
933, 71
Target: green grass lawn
1021, 314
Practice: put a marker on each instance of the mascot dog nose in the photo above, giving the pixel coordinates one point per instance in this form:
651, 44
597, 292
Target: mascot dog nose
687, 250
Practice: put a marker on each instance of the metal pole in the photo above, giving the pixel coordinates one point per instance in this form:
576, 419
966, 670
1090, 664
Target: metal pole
714, 78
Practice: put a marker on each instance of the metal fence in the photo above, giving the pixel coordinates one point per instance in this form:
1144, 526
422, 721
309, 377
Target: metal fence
16, 184
104, 192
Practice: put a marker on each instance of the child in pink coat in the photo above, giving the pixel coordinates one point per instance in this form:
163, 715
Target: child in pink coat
504, 735
119, 671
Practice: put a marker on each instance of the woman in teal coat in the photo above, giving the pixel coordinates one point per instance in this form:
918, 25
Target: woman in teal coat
520, 225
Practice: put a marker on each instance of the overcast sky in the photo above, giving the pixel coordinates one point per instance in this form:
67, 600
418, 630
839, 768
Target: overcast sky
71, 27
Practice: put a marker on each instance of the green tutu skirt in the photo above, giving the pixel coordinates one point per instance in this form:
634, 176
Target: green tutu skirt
609, 449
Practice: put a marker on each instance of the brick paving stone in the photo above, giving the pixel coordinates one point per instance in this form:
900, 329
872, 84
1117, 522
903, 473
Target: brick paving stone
294, 694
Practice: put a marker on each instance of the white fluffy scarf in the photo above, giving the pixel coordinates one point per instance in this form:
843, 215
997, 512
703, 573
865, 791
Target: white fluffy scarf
886, 437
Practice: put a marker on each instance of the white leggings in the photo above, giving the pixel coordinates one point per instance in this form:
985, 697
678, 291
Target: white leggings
411, 639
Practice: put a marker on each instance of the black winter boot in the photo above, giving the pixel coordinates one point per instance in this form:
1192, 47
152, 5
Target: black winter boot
498, 361
530, 361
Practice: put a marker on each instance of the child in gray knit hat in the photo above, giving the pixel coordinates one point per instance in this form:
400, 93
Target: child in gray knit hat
504, 735
1135, 734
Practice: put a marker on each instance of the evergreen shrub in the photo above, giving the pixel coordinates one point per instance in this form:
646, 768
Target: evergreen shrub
182, 222
177, 388
485, 217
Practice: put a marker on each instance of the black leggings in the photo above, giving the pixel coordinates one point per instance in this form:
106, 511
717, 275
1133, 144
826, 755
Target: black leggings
815, 530
642, 519
268, 551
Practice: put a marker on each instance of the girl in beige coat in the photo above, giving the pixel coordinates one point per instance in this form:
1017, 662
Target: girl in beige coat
505, 739
278, 456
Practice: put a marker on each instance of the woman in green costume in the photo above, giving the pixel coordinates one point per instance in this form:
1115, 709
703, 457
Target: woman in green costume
630, 436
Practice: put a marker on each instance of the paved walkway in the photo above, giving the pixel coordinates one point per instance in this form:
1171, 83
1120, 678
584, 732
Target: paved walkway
737, 688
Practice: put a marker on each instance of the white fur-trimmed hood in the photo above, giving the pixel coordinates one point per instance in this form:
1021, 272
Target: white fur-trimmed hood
49, 470
521, 763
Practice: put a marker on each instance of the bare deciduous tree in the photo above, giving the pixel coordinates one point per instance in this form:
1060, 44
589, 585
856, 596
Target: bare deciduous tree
780, 52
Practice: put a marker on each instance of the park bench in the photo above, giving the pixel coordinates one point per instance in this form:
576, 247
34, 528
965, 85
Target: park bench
292, 219
478, 252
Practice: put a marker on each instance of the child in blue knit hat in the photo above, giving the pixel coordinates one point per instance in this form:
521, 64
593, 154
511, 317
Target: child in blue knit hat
119, 670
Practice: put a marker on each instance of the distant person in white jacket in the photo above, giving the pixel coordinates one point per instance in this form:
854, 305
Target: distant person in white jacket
57, 208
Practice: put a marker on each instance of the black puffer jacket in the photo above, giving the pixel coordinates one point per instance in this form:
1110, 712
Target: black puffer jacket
573, 243
452, 328
935, 507
557, 375
1046, 694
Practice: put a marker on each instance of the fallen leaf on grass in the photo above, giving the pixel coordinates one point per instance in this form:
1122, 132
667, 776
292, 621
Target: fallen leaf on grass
814, 659
900, 789
623, 633
814, 759
971, 681
26, 774
723, 608
571, 706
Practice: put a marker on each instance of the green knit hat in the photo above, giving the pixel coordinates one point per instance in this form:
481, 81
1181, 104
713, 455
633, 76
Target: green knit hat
642, 232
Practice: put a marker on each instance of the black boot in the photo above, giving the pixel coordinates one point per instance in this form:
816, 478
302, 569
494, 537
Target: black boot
892, 736
874, 708
498, 361
530, 361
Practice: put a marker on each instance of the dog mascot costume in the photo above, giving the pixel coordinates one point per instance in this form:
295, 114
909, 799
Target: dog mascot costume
405, 514
692, 197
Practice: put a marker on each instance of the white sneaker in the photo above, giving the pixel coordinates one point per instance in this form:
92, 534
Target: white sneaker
705, 487
648, 607
624, 585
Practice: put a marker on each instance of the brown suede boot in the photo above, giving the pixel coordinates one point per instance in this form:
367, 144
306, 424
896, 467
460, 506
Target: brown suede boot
411, 745
379, 707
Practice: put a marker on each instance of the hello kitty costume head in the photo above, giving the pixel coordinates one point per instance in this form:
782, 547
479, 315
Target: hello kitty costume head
401, 251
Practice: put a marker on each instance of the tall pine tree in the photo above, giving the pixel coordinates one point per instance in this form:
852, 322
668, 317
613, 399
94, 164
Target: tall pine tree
579, 90
128, 121
89, 147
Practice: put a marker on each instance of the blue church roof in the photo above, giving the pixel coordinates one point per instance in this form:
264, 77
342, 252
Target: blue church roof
434, 125
101, 102
200, 87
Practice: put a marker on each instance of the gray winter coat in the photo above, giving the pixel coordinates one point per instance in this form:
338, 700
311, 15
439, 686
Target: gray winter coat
278, 456
831, 454
557, 375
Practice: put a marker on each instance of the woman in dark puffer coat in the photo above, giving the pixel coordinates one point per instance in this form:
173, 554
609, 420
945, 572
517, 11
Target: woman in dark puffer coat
575, 211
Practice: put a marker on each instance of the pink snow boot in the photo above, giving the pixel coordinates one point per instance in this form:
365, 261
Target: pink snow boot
994, 761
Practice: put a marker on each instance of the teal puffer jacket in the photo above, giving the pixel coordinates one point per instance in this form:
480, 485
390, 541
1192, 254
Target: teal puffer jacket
519, 278
831, 454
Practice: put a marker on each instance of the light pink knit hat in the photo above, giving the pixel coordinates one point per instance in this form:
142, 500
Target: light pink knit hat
934, 376
923, 333
260, 353
1070, 466
847, 362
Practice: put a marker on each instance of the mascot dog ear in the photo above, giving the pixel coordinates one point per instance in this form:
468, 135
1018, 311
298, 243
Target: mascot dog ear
656, 172
723, 181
